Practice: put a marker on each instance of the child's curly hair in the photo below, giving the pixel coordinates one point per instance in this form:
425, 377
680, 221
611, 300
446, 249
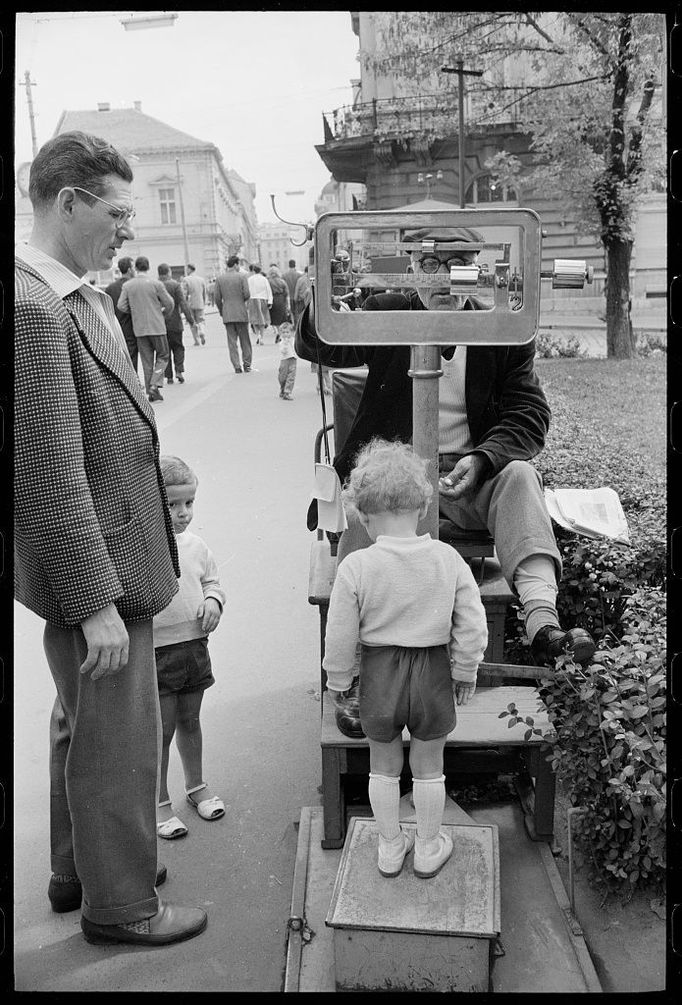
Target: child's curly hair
387, 476
176, 472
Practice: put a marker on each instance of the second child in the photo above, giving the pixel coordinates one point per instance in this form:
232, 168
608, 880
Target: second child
287, 365
183, 664
413, 604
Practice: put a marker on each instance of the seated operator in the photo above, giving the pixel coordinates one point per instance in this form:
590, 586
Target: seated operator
493, 419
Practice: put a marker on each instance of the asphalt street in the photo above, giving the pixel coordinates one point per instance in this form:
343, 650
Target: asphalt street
253, 454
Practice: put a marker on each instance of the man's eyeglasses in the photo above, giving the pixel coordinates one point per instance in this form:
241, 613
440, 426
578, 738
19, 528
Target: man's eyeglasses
431, 263
121, 216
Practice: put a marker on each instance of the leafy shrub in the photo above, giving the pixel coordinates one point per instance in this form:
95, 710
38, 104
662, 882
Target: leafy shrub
608, 745
550, 345
648, 343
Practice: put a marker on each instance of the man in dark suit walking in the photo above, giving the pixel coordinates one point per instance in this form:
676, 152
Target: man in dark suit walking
95, 552
231, 295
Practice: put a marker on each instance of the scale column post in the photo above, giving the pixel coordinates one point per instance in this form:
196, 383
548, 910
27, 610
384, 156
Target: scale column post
425, 371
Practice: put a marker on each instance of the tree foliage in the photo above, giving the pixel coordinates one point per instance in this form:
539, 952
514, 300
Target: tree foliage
581, 85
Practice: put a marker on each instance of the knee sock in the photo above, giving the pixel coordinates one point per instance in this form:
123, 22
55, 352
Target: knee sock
535, 583
429, 803
384, 797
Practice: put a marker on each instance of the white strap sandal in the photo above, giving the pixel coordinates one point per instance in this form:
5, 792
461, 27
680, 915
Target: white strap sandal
172, 828
208, 809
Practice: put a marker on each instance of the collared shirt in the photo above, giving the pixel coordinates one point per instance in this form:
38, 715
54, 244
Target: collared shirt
63, 281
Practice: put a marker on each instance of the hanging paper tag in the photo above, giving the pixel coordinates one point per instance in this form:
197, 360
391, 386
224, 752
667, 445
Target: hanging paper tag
330, 512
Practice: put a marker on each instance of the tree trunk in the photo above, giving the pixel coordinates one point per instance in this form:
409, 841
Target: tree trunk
620, 339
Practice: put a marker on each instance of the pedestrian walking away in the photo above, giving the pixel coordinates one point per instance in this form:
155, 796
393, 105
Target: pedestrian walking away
287, 364
183, 664
148, 301
259, 303
493, 419
302, 294
414, 606
280, 310
95, 553
174, 325
127, 271
291, 277
231, 298
196, 294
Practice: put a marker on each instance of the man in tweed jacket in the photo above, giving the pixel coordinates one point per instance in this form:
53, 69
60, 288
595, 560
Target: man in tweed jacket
95, 551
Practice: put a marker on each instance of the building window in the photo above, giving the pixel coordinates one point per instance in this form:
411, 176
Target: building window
167, 200
483, 189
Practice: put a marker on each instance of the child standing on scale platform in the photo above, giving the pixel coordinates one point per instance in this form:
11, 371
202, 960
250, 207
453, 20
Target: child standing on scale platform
414, 605
287, 365
183, 665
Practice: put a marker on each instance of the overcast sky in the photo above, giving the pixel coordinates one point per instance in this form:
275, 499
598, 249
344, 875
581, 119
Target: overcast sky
255, 83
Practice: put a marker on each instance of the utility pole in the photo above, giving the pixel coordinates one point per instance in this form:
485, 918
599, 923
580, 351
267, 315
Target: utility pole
28, 84
182, 213
461, 73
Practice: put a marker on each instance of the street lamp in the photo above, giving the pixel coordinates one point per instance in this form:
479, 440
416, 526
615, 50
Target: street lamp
428, 178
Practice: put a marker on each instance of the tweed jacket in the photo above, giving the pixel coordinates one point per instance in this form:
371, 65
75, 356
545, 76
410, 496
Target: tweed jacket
92, 523
231, 293
506, 407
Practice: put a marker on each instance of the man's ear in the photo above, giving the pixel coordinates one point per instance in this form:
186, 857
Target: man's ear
65, 201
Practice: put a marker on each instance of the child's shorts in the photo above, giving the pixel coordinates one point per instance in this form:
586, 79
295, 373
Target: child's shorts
184, 667
406, 686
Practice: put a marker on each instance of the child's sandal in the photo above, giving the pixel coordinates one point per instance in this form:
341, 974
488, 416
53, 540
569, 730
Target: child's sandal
208, 809
172, 828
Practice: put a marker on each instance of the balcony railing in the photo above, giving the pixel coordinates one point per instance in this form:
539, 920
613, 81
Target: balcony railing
429, 116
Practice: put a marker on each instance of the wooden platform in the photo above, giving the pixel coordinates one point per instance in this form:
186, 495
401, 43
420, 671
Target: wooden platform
480, 742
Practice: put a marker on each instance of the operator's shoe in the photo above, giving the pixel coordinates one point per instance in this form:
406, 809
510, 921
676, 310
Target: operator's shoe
392, 854
170, 924
431, 856
551, 642
68, 894
347, 712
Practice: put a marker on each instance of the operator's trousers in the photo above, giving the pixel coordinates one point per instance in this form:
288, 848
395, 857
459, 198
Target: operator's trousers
105, 745
511, 506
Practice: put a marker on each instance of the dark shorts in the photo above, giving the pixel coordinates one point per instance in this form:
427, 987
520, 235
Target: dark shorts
184, 667
402, 686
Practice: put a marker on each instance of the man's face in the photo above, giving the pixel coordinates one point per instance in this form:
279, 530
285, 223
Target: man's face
94, 236
438, 298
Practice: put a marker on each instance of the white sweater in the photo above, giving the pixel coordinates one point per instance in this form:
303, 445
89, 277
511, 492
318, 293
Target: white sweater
410, 591
198, 580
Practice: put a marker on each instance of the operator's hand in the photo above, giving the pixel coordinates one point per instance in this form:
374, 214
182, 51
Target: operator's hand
464, 477
209, 614
463, 692
107, 641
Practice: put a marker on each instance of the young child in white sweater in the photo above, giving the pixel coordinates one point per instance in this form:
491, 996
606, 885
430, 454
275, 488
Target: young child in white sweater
414, 605
183, 665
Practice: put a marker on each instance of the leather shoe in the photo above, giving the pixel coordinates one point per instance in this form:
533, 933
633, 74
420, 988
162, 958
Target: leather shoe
68, 896
347, 712
155, 395
551, 642
171, 923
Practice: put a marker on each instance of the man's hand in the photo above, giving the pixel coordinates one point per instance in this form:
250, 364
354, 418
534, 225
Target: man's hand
464, 477
463, 692
209, 613
107, 641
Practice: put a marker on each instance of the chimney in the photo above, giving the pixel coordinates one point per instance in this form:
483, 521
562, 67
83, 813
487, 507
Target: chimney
137, 105
103, 106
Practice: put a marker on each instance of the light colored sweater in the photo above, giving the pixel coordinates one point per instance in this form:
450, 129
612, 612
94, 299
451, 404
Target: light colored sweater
404, 591
198, 580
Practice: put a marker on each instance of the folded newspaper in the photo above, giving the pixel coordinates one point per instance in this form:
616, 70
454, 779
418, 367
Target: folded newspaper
591, 512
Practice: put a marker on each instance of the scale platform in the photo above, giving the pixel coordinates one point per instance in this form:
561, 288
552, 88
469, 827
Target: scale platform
541, 947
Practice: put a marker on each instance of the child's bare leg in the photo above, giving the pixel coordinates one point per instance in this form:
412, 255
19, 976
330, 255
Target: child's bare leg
189, 741
168, 703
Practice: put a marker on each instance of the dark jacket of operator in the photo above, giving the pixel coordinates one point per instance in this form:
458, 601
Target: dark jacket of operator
506, 407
